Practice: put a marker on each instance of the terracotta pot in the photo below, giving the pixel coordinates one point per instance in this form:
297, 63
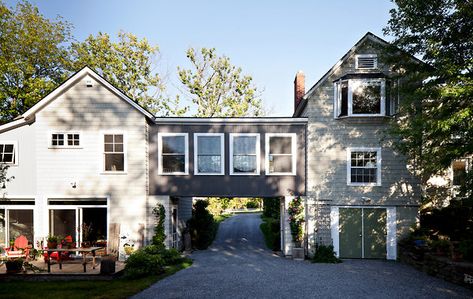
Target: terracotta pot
52, 245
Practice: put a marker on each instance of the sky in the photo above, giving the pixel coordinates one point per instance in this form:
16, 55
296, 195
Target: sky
269, 40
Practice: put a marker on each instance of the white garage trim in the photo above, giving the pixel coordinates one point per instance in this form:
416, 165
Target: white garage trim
334, 226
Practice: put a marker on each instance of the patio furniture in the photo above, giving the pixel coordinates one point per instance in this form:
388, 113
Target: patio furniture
84, 251
20, 248
66, 243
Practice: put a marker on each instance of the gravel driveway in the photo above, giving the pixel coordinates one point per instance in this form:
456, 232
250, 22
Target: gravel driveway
238, 265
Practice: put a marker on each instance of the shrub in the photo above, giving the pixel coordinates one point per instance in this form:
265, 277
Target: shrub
142, 263
271, 207
159, 236
325, 254
171, 257
272, 233
202, 226
252, 205
466, 248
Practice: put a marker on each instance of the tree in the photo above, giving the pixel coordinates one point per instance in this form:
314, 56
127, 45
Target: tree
218, 88
34, 57
126, 64
435, 122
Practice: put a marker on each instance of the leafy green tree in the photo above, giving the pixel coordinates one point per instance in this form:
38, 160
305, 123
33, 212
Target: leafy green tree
435, 122
128, 65
218, 88
34, 57
159, 237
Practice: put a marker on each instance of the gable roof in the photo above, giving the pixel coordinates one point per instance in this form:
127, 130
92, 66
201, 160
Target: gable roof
367, 36
72, 80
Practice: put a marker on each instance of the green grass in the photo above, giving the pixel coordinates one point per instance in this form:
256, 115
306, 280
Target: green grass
118, 288
220, 218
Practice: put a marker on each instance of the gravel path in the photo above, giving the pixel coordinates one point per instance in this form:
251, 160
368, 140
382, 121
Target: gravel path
238, 265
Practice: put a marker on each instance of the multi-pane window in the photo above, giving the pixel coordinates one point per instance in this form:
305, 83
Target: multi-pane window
57, 139
73, 140
281, 154
209, 153
244, 151
8, 153
65, 140
114, 152
360, 97
173, 151
364, 167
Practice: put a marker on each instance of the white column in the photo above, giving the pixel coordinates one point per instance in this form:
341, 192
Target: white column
286, 234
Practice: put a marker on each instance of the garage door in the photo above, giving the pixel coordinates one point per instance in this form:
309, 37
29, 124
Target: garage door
362, 233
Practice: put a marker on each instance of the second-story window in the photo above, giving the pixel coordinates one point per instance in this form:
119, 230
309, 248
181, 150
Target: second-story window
173, 153
244, 154
65, 140
364, 166
360, 97
114, 152
280, 154
209, 151
8, 152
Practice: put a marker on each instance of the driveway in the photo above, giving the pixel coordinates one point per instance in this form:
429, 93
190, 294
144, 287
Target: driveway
238, 265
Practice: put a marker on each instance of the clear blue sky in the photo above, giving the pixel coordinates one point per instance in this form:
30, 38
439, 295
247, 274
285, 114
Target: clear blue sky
270, 40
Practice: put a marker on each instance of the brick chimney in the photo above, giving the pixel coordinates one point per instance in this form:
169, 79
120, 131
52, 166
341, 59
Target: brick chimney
299, 88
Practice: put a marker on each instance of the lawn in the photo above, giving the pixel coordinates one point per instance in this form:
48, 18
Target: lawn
118, 288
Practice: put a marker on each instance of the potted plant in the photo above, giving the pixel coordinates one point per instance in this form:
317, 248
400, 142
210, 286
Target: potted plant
52, 241
296, 219
14, 265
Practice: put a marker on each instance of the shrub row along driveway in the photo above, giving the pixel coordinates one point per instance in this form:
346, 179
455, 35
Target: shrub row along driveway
238, 265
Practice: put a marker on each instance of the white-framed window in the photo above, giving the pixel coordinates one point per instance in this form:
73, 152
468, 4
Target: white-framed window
114, 153
173, 153
459, 172
364, 166
209, 154
281, 153
244, 153
65, 140
366, 61
360, 97
9, 152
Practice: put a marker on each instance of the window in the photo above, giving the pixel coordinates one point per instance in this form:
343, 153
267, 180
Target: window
364, 166
245, 153
114, 152
459, 173
65, 139
360, 97
173, 153
8, 153
209, 153
280, 154
366, 61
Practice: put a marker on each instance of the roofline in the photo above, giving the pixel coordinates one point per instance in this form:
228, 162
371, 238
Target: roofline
249, 120
68, 82
14, 124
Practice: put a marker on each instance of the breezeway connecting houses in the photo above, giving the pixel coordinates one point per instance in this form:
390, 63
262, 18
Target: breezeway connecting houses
86, 153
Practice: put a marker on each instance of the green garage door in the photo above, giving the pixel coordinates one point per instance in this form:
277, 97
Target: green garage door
362, 233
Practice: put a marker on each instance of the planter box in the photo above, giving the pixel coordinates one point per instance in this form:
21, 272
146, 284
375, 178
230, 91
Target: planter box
107, 266
298, 253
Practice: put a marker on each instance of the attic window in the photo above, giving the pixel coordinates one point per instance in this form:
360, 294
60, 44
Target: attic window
366, 61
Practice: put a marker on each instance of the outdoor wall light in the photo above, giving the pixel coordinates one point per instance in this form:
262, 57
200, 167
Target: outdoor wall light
4, 186
74, 185
366, 199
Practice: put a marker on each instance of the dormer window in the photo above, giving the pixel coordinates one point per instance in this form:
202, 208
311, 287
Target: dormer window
366, 61
360, 97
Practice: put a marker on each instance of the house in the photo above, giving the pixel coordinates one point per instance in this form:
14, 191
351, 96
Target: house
360, 196
91, 163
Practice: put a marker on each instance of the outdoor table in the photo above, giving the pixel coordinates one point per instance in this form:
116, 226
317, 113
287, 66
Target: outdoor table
83, 250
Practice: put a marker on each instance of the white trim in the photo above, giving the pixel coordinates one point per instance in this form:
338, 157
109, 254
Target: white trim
293, 137
180, 120
125, 152
391, 229
378, 165
15, 152
258, 156
351, 83
72, 80
222, 153
186, 153
375, 62
334, 229
14, 124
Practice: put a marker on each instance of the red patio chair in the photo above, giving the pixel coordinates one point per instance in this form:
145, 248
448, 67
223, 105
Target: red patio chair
20, 248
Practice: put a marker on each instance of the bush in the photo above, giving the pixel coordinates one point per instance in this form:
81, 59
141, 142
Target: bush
325, 254
466, 248
252, 205
272, 233
142, 263
271, 207
202, 226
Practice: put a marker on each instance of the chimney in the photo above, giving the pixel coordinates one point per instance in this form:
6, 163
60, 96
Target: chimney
299, 88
